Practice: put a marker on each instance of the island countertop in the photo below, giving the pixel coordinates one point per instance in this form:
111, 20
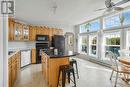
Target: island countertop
63, 55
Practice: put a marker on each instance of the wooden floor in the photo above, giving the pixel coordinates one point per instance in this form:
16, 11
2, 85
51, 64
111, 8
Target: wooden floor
91, 75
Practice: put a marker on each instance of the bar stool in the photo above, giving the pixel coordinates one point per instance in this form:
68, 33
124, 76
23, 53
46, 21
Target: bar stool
66, 70
72, 62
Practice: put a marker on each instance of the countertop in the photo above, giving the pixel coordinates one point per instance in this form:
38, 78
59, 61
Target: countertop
11, 53
63, 55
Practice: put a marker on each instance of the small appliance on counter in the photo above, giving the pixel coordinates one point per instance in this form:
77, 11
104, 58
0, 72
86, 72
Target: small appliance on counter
42, 44
55, 51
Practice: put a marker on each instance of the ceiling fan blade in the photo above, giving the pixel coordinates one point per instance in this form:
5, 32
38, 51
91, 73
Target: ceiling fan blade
118, 8
100, 9
121, 2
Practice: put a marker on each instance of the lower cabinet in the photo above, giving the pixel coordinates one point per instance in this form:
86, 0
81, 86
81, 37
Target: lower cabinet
33, 60
10, 72
13, 68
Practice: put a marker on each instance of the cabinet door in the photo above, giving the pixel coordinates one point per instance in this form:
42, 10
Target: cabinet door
33, 56
32, 33
10, 73
21, 31
11, 25
38, 30
60, 31
9, 29
50, 34
25, 32
46, 31
13, 72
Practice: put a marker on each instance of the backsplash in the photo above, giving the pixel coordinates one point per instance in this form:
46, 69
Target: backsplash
20, 45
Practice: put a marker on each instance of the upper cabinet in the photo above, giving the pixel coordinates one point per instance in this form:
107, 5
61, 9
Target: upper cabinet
57, 31
11, 25
32, 33
18, 31
25, 32
21, 32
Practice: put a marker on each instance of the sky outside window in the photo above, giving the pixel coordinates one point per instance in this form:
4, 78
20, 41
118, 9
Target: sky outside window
127, 17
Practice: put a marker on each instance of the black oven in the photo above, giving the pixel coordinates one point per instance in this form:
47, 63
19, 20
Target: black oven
42, 37
39, 48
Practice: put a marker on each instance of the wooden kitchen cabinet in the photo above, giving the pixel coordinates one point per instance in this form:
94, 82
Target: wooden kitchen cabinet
38, 30
33, 56
45, 66
13, 67
50, 68
32, 33
57, 32
50, 33
25, 32
10, 72
11, 26
20, 32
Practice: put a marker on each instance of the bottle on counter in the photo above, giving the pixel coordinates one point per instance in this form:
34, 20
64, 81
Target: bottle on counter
55, 51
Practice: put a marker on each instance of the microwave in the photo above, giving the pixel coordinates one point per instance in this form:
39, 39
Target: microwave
42, 37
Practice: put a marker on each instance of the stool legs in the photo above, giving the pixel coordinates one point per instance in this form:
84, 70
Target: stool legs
63, 79
77, 70
66, 70
68, 77
74, 78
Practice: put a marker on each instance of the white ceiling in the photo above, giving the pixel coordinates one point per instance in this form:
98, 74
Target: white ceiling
70, 12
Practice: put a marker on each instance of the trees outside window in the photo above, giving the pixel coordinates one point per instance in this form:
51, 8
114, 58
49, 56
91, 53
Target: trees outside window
93, 45
84, 43
111, 43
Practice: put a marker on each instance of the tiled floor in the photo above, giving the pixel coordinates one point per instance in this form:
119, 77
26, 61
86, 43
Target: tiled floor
91, 75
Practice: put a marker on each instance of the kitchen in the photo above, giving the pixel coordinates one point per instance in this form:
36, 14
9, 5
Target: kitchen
59, 43
43, 38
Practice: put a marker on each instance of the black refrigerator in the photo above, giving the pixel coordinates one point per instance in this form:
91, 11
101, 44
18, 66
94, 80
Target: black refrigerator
58, 42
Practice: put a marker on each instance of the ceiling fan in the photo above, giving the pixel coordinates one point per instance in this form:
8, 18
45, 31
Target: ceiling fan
110, 5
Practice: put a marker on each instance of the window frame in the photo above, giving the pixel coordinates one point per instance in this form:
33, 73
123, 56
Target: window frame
80, 44
104, 42
90, 44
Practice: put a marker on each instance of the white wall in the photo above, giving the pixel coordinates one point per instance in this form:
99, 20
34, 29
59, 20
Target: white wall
76, 32
13, 45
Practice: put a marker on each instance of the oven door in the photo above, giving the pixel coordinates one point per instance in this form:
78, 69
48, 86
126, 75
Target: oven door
39, 48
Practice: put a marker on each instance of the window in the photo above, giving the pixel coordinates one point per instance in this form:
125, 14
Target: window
94, 25
112, 43
82, 28
84, 43
128, 40
91, 26
126, 16
111, 21
92, 46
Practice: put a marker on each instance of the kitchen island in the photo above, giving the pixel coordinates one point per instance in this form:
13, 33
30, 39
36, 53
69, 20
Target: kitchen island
51, 64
